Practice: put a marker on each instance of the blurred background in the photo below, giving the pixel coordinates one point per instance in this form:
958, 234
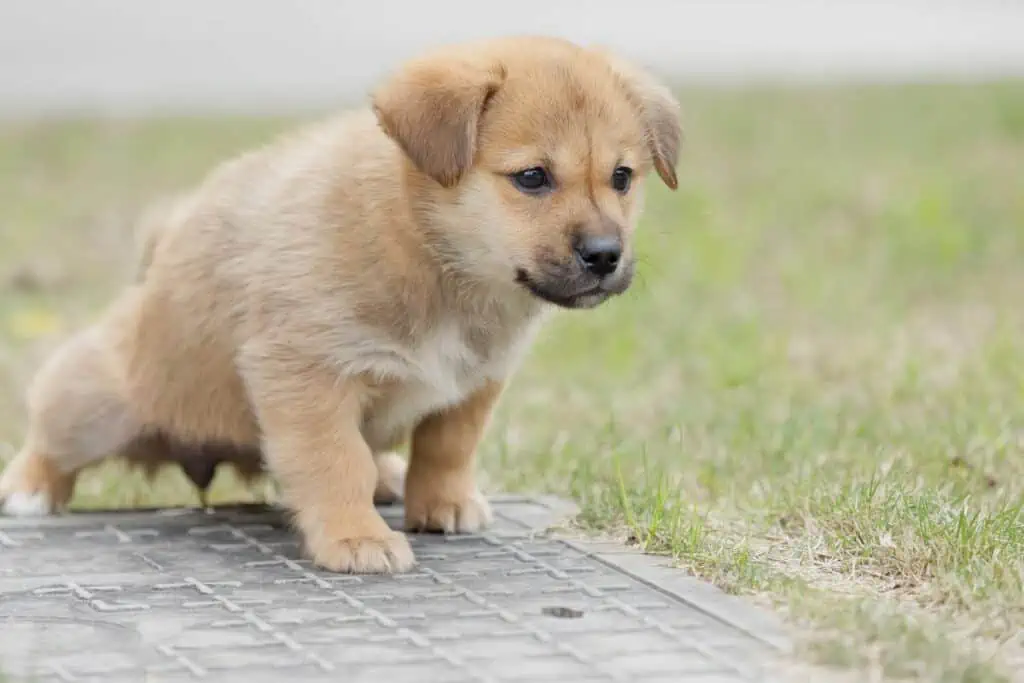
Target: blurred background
814, 393
119, 56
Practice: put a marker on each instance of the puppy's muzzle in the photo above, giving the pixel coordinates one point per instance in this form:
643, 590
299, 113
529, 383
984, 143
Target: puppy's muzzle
587, 280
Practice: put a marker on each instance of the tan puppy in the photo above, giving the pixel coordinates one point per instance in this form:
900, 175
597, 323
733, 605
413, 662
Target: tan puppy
367, 281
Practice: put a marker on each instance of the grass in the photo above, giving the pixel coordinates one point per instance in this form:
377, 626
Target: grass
813, 396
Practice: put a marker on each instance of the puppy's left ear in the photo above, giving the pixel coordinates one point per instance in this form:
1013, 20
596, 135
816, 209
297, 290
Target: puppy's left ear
432, 109
659, 111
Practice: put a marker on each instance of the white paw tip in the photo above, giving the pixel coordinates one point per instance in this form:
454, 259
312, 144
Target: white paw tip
21, 504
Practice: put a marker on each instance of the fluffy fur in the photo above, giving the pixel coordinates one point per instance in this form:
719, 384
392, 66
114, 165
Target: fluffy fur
367, 281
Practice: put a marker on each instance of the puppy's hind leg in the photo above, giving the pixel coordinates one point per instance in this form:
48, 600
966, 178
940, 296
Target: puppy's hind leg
32, 485
77, 416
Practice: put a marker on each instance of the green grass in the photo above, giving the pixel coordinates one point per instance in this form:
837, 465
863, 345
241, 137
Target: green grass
814, 394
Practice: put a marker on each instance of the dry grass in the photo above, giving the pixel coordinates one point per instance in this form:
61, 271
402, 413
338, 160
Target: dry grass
814, 395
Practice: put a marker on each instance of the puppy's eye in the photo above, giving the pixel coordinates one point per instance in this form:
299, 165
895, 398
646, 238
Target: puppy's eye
532, 180
621, 178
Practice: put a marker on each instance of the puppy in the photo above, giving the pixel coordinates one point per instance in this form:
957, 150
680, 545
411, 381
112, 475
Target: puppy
367, 281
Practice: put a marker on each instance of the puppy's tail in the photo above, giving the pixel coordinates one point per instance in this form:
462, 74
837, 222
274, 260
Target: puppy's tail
155, 222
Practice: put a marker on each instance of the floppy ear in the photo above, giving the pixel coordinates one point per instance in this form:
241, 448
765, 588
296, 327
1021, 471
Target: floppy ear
432, 108
660, 113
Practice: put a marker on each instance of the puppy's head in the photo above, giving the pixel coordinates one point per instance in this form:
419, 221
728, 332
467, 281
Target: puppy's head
529, 158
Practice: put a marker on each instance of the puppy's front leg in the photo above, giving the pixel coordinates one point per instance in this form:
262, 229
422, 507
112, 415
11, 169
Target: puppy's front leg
440, 486
310, 420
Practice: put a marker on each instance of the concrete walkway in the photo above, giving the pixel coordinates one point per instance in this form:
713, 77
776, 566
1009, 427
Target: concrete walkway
131, 57
225, 596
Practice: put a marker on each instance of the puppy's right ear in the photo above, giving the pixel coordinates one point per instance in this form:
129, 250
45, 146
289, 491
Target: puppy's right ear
432, 109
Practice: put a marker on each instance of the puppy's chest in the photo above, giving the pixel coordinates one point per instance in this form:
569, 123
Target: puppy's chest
442, 370
448, 362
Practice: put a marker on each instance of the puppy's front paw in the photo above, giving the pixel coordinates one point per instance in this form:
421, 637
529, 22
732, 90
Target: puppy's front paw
386, 554
461, 510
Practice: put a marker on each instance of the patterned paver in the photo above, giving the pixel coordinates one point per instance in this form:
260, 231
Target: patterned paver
225, 595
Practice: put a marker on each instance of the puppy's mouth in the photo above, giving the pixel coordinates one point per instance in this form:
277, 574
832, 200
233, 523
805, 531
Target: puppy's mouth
565, 295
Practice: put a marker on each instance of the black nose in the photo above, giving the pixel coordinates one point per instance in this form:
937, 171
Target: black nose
600, 255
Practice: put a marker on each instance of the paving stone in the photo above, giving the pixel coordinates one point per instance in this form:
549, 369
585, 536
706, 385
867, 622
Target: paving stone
225, 595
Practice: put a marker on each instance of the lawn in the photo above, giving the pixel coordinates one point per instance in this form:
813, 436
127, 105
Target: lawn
814, 394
